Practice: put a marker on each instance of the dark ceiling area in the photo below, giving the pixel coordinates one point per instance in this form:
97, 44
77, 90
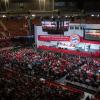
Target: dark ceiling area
82, 4
64, 6
20, 1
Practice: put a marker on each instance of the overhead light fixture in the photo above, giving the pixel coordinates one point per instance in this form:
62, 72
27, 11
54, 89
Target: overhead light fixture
26, 17
3, 16
66, 16
33, 15
58, 16
98, 15
52, 16
92, 15
6, 1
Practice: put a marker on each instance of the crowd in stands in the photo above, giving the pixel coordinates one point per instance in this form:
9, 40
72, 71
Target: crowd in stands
22, 87
5, 43
74, 52
22, 69
13, 26
87, 72
16, 82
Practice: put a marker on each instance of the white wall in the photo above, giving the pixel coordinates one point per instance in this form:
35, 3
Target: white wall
74, 31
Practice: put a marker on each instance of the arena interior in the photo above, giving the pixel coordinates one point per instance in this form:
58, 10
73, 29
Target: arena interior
49, 50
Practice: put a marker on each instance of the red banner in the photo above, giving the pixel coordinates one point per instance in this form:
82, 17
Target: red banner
63, 38
53, 38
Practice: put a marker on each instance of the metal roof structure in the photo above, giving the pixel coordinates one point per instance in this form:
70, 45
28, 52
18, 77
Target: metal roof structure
48, 7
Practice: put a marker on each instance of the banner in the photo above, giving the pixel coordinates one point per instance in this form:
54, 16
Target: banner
74, 39
53, 38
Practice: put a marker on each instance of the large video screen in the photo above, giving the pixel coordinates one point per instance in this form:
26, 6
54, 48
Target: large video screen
92, 34
49, 25
66, 25
57, 25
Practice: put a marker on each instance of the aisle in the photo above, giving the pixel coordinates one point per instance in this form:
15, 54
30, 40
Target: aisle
86, 94
63, 81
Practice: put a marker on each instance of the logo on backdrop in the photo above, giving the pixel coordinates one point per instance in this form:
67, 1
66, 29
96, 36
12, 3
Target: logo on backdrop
74, 39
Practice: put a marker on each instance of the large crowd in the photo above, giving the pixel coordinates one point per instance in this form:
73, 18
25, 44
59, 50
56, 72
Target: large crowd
5, 42
22, 69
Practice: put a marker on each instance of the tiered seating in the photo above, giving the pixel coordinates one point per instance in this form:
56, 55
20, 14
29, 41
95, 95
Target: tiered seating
5, 42
17, 83
52, 66
1, 36
15, 26
1, 31
93, 20
88, 20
